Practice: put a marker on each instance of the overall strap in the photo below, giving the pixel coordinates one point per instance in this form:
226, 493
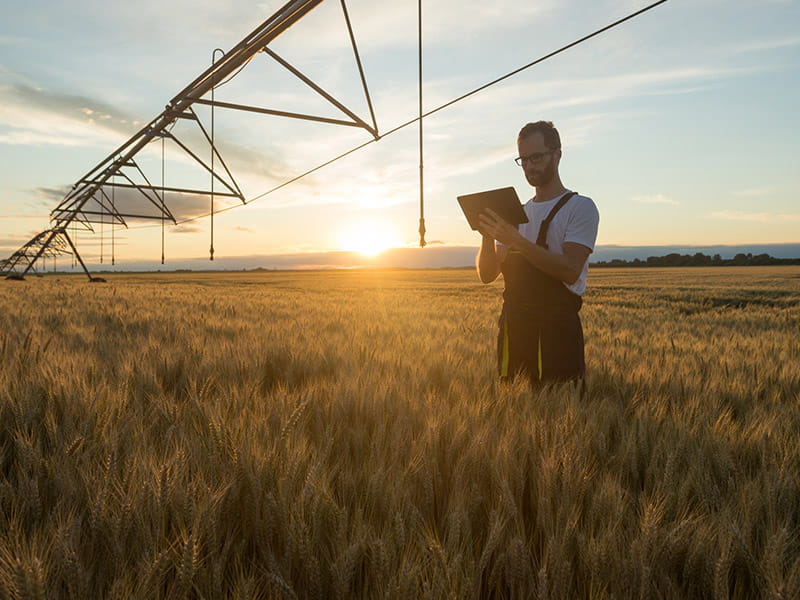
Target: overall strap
542, 237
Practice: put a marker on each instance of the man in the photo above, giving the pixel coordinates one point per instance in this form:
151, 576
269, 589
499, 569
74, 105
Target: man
544, 264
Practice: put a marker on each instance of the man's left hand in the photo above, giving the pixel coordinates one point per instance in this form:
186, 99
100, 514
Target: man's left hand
493, 225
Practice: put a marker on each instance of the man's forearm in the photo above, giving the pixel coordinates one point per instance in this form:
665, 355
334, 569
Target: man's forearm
487, 262
566, 267
557, 266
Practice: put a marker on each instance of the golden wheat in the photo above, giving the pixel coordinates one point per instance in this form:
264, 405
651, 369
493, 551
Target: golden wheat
343, 434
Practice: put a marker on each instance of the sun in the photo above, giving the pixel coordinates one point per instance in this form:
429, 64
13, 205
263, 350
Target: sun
368, 237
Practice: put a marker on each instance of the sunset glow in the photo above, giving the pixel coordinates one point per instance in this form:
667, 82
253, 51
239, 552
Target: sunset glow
369, 238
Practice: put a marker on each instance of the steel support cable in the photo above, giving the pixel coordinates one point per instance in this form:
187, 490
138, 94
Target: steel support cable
213, 147
211, 245
360, 67
421, 164
163, 200
428, 113
113, 228
102, 228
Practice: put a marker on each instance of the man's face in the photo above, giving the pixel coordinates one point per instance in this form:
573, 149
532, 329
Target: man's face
538, 172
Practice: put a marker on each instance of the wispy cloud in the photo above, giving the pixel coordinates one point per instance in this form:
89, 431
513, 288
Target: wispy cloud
37, 117
753, 192
48, 197
764, 45
556, 93
461, 161
548, 94
377, 25
388, 25
137, 208
762, 217
11, 40
655, 199
13, 243
33, 116
637, 83
22, 216
185, 228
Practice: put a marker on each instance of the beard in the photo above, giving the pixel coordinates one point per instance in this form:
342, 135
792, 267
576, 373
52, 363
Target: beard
538, 177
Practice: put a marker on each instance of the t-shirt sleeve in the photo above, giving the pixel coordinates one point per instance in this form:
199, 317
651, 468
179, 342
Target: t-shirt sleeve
583, 223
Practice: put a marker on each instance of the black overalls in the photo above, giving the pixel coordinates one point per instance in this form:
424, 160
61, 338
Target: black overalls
540, 330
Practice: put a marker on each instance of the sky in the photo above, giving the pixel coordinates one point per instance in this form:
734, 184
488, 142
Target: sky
681, 124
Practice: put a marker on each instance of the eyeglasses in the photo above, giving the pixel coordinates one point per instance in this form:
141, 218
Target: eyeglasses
536, 157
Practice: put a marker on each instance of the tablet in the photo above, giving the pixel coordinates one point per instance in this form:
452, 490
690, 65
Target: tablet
504, 202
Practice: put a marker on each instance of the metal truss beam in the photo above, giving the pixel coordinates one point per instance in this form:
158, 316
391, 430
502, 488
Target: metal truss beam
47, 244
99, 183
277, 113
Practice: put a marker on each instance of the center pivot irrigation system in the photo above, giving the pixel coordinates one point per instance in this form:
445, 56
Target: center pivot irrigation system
93, 199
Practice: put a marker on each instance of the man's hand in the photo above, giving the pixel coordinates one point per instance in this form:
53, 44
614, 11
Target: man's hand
492, 225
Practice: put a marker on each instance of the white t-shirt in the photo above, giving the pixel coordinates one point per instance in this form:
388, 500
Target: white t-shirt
576, 222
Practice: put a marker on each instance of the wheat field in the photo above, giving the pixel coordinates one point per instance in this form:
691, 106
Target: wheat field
343, 435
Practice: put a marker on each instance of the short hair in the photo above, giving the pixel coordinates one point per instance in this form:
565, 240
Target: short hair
549, 133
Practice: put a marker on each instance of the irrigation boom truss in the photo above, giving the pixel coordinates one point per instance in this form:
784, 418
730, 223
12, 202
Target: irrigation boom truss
92, 200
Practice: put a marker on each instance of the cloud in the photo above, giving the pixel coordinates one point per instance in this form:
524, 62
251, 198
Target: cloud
244, 229
389, 25
461, 162
762, 217
655, 199
36, 117
12, 243
753, 192
377, 25
136, 208
764, 45
47, 196
673, 80
550, 94
33, 116
186, 229
21, 216
11, 40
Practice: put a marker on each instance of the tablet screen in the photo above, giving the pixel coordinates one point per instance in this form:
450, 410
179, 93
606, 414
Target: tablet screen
503, 201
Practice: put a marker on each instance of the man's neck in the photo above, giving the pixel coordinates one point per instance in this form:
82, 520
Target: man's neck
551, 190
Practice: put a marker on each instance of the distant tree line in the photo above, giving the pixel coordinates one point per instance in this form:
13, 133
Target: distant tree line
698, 260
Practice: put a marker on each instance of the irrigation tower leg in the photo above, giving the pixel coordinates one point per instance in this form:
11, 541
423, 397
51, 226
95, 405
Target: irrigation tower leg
80, 260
